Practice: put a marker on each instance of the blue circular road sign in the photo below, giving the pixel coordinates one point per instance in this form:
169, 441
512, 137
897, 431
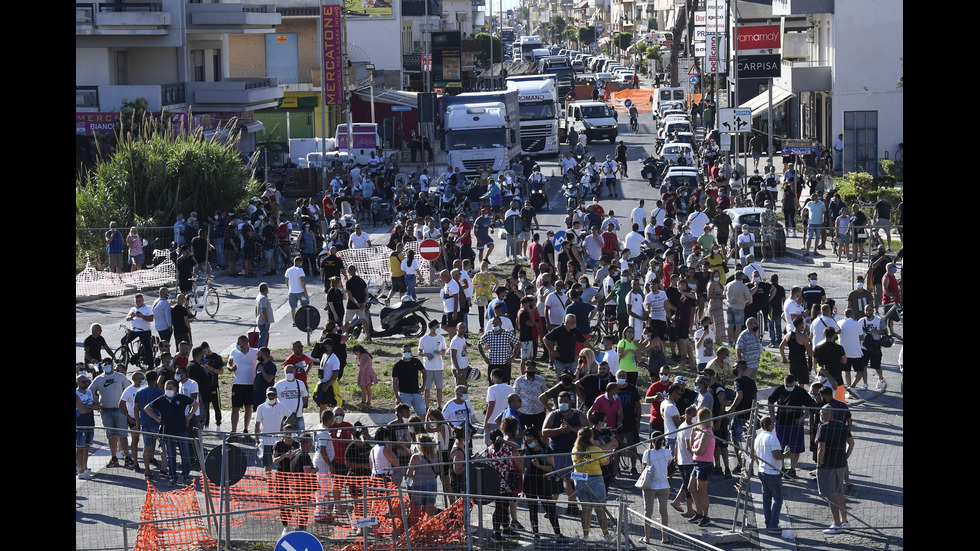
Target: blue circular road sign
558, 240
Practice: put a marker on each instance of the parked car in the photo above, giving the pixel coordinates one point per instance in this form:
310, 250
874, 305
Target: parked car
753, 217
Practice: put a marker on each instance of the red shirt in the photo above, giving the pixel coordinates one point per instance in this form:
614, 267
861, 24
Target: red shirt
534, 254
668, 270
342, 434
464, 233
609, 242
655, 389
610, 407
301, 372
889, 284
328, 207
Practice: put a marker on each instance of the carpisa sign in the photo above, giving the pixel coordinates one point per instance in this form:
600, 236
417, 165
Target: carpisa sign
759, 66
761, 37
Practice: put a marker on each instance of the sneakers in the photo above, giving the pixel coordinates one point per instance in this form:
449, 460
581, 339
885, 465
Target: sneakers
514, 525
496, 537
509, 531
129, 462
864, 387
695, 518
114, 462
880, 385
844, 524
704, 521
834, 529
285, 530
86, 475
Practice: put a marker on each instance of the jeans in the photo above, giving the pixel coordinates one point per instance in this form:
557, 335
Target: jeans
410, 280
513, 246
772, 498
171, 445
775, 324
414, 400
263, 335
219, 245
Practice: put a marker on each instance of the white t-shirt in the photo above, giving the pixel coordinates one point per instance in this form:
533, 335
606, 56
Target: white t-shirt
329, 364
129, 396
410, 269
817, 328
655, 303
636, 307
459, 345
291, 395
633, 242
435, 345
271, 419
611, 357
684, 457
457, 413
447, 292
791, 307
668, 410
638, 214
754, 267
245, 363
293, 276
851, 333
465, 276
359, 241
746, 238
765, 443
659, 215
657, 461
190, 387
140, 324
697, 220
705, 353
498, 394
557, 305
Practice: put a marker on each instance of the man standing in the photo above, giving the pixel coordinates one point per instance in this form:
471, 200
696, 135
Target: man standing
561, 427
745, 395
296, 280
530, 386
357, 297
498, 398
891, 294
838, 152
499, 348
789, 419
815, 223
140, 317
738, 296
162, 319
432, 347
114, 246
564, 337
173, 413
108, 388
812, 294
405, 380
242, 363
834, 447
769, 457
457, 354
294, 395
263, 311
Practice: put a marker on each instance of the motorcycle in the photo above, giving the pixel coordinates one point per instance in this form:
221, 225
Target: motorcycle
401, 319
538, 194
653, 169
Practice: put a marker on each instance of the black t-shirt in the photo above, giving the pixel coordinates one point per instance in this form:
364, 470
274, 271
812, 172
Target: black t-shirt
336, 298
527, 216
200, 246
761, 299
834, 435
525, 333
879, 272
172, 413
331, 265
296, 464
408, 374
749, 392
179, 313
281, 447
185, 267
828, 354
358, 292
811, 296
548, 252
565, 340
783, 397
358, 452
673, 296
592, 386
688, 398
883, 209
214, 361
94, 346
422, 209
629, 397
269, 236
776, 303
197, 373
858, 219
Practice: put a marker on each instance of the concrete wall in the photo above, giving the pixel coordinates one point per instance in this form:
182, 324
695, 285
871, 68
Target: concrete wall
153, 66
868, 42
91, 66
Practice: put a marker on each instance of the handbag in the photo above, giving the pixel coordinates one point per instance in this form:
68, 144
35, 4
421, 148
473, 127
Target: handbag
646, 478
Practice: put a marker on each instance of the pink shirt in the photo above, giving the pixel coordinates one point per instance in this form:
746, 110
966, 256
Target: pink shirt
708, 455
610, 407
534, 254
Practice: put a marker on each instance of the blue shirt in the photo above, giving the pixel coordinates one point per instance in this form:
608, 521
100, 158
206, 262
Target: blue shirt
144, 397
581, 310
481, 227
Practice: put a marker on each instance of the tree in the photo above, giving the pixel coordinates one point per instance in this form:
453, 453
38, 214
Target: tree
586, 35
558, 25
571, 35
623, 40
675, 46
484, 56
546, 29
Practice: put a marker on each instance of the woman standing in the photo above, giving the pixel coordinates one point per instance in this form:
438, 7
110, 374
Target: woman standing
683, 318
483, 282
656, 459
435, 423
501, 458
592, 489
460, 450
335, 300
411, 267
366, 377
716, 302
843, 239
536, 485
653, 345
627, 349
384, 462
135, 244
423, 476
308, 249
702, 448
790, 207
586, 364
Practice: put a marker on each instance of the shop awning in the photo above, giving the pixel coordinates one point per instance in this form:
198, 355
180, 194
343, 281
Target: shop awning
760, 103
583, 5
391, 97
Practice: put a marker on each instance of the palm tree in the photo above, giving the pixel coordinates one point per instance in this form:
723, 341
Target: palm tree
571, 35
558, 24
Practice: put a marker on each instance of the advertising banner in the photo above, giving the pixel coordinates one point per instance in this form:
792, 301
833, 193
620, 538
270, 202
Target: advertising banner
446, 57
333, 65
759, 37
760, 66
379, 9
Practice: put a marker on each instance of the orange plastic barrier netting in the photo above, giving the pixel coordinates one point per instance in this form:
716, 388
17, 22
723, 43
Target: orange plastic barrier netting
446, 529
259, 489
640, 97
176, 533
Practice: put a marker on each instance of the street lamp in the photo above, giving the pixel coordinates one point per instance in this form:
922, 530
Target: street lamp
370, 70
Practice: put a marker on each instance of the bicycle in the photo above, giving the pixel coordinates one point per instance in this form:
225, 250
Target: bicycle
131, 350
606, 326
206, 299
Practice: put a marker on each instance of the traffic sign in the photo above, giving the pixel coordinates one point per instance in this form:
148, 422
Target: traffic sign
365, 522
401, 107
307, 318
429, 249
694, 80
735, 120
558, 240
298, 541
628, 103
694, 70
237, 464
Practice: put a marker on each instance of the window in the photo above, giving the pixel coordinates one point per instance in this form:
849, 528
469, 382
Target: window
122, 67
861, 142
197, 65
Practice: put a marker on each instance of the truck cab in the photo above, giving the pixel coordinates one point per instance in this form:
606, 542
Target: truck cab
594, 118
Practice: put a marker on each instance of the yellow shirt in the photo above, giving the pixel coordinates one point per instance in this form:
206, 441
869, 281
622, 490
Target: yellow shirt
594, 467
395, 264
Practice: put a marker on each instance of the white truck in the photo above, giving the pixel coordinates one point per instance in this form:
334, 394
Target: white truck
482, 128
366, 141
525, 47
537, 99
594, 118
300, 148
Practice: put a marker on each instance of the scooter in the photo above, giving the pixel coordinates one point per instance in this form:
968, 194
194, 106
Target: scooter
653, 168
401, 319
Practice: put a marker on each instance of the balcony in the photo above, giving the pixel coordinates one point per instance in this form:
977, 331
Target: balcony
244, 94
806, 76
232, 18
802, 7
133, 19
109, 98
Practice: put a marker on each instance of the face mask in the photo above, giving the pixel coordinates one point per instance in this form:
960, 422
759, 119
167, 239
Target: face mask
894, 270
717, 279
664, 378
860, 285
107, 368
563, 407
407, 355
464, 397
498, 328
757, 279
238, 347
532, 445
170, 393
621, 382
823, 421
789, 388
290, 376
813, 282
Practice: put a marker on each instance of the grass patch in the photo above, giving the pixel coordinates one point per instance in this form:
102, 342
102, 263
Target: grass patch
771, 370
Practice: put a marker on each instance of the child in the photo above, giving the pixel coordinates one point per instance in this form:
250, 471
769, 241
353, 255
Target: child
366, 377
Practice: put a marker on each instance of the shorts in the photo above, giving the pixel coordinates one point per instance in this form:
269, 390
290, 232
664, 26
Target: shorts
241, 396
481, 242
137, 259
792, 436
296, 298
433, 377
349, 315
562, 461
591, 490
686, 471
736, 316
830, 481
116, 261
659, 328
737, 428
527, 350
683, 331
84, 436
722, 434
858, 364
873, 358
524, 236
813, 232
114, 420
564, 367
660, 497
800, 370
267, 253
398, 284
451, 319
703, 470
883, 223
